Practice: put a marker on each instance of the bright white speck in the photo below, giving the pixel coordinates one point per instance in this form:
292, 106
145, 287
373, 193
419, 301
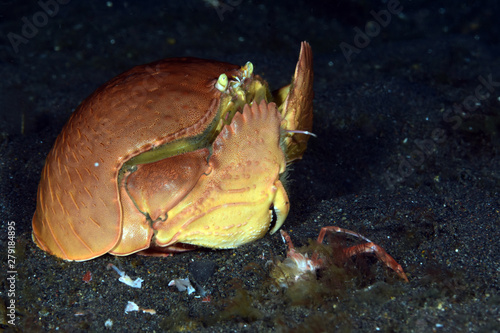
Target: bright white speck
456, 250
96, 164
439, 325
131, 306
108, 324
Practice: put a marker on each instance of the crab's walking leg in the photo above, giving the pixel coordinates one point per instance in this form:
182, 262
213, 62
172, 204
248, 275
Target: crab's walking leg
369, 247
302, 262
334, 229
288, 241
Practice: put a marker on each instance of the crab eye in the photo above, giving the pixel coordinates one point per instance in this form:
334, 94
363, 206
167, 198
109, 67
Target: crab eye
247, 69
221, 84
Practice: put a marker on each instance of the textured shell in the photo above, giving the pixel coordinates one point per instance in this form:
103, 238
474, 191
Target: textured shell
78, 202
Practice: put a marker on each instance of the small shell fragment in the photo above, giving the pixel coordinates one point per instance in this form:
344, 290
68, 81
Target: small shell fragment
108, 324
150, 311
137, 283
87, 277
182, 285
124, 278
131, 306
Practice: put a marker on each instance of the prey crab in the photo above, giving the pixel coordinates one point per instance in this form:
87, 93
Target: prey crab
297, 265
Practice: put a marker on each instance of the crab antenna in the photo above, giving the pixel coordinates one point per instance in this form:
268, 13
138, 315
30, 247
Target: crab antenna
302, 132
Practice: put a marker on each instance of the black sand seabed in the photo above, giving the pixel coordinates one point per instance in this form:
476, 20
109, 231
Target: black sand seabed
407, 154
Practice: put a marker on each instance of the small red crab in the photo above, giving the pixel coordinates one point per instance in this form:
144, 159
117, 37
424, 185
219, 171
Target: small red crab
296, 265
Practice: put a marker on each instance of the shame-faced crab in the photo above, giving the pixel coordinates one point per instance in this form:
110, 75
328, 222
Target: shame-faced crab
180, 151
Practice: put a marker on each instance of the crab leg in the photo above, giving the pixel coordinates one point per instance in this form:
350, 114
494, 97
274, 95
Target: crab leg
303, 263
369, 247
288, 241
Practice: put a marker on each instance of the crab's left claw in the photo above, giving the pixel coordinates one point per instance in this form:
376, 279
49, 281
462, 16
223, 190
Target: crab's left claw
296, 105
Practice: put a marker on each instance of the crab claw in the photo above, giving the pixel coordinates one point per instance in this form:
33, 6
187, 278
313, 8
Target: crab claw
281, 206
296, 105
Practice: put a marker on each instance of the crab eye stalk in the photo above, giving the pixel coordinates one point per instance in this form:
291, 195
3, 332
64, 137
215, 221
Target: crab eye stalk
222, 82
247, 70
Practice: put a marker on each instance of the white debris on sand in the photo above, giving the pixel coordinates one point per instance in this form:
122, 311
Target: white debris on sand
131, 306
108, 324
124, 278
182, 285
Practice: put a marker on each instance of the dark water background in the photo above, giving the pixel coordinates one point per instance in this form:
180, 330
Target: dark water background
407, 154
